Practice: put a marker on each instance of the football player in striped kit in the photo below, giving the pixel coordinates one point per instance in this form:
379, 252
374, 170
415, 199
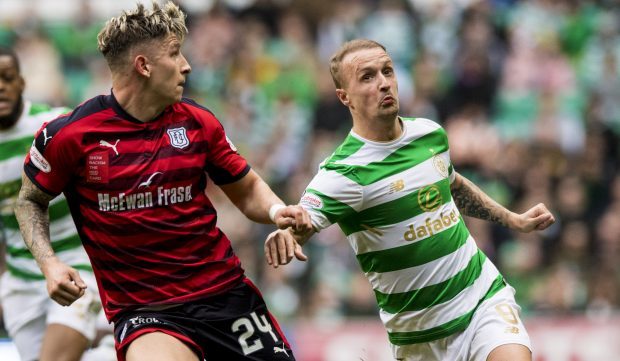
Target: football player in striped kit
134, 165
393, 191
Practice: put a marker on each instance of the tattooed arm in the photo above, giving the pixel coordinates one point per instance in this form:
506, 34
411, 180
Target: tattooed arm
64, 284
473, 202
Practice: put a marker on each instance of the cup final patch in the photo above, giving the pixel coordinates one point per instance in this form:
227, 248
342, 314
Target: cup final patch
97, 165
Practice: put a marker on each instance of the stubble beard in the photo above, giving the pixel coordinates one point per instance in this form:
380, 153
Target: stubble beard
9, 120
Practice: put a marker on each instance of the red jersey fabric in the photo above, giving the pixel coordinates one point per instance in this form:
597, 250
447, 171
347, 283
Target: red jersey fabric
136, 193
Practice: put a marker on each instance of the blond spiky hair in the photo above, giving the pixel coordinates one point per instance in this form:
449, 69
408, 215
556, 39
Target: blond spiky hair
138, 26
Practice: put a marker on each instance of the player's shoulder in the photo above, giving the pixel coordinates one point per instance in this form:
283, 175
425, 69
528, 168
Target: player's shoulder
338, 163
190, 105
80, 115
198, 112
421, 122
422, 127
337, 160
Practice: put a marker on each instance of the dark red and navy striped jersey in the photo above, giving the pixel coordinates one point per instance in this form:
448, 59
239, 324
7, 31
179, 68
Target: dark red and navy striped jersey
136, 192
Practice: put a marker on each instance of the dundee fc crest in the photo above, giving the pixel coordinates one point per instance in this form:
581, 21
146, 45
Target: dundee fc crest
178, 137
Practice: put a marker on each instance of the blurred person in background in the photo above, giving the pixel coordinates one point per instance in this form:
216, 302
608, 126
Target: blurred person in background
394, 192
133, 165
40, 328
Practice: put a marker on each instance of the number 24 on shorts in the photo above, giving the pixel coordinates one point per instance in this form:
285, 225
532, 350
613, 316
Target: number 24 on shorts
247, 324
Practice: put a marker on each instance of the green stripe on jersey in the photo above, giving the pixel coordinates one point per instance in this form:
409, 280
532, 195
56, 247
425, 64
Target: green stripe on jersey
61, 245
448, 328
348, 147
398, 210
435, 294
56, 211
417, 253
29, 276
10, 189
83, 267
25, 275
332, 208
406, 157
36, 108
15, 147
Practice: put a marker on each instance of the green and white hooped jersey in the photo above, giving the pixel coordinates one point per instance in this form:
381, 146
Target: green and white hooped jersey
14, 145
393, 202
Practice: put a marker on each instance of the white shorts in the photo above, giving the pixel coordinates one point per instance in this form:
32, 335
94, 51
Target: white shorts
496, 322
28, 309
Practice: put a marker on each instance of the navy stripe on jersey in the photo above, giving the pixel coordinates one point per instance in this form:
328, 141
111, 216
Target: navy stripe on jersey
128, 229
133, 182
221, 176
159, 285
141, 254
136, 193
82, 111
194, 104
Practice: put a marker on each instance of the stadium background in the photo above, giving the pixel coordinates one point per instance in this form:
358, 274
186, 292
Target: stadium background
529, 92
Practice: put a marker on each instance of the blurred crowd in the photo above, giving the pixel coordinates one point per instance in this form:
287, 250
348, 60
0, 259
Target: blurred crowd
529, 92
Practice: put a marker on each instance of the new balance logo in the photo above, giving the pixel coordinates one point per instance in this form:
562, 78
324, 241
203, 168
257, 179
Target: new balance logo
277, 349
396, 186
147, 183
104, 143
46, 137
511, 329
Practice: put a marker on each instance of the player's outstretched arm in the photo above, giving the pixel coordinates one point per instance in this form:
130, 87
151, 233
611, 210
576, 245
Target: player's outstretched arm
258, 202
64, 283
473, 202
284, 244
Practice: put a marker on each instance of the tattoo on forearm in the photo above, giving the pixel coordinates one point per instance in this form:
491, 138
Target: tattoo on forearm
31, 212
473, 202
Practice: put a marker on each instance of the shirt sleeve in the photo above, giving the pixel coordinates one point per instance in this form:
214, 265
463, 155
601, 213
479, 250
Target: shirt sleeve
331, 197
224, 164
51, 160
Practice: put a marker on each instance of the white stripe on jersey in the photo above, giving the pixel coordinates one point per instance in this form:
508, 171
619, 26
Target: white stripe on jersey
444, 312
424, 275
392, 236
373, 151
417, 177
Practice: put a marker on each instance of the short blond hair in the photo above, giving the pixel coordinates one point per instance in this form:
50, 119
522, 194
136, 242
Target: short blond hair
347, 48
138, 26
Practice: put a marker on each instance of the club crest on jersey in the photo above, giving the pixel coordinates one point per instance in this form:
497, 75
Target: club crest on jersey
178, 137
440, 165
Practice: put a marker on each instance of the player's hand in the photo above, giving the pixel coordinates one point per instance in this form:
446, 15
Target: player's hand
64, 283
535, 218
280, 248
295, 217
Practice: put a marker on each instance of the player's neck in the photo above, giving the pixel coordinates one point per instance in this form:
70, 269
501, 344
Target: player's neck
384, 130
138, 103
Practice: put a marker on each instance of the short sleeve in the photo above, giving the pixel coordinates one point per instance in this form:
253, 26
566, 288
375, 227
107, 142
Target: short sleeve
331, 197
224, 164
52, 158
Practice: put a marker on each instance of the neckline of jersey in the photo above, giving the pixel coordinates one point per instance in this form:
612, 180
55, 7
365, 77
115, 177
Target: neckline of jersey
126, 116
384, 144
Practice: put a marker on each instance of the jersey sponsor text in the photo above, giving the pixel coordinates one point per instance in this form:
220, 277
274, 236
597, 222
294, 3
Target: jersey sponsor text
127, 202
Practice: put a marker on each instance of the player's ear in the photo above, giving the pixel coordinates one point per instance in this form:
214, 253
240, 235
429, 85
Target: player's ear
343, 96
141, 64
